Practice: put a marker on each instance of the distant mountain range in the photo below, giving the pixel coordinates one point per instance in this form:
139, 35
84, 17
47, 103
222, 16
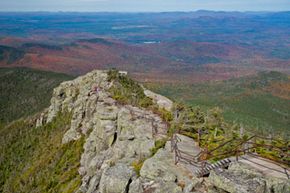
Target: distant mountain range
179, 54
163, 47
233, 68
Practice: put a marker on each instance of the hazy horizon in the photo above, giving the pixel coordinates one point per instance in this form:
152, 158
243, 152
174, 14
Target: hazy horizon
143, 6
194, 11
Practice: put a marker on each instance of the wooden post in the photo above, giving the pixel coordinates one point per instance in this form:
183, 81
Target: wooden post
241, 131
171, 141
215, 132
198, 136
204, 154
203, 168
245, 147
154, 128
176, 156
175, 115
286, 172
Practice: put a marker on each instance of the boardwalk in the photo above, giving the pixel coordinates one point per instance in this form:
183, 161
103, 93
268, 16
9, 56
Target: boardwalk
265, 166
187, 153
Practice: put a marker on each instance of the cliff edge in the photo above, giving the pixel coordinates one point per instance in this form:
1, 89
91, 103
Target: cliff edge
127, 149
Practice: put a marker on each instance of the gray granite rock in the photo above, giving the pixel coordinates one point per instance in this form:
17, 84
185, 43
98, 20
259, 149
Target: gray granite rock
116, 179
118, 135
243, 179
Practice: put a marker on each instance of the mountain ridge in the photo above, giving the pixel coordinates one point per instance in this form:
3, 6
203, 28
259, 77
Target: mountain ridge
103, 133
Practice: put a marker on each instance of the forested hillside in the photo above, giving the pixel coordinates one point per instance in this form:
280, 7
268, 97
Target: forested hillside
34, 159
259, 102
24, 91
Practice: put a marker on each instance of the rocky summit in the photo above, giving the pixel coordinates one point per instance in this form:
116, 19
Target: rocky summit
118, 154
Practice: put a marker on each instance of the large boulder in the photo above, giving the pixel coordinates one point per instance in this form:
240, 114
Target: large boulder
142, 185
165, 187
237, 182
160, 100
162, 169
116, 179
159, 166
243, 179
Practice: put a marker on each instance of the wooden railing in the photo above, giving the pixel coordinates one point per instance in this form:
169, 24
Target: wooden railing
150, 119
180, 155
243, 147
250, 146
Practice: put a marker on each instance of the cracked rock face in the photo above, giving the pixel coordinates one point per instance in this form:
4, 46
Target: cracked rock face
118, 135
116, 179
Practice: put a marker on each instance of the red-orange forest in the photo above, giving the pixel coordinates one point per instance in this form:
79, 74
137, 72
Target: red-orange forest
202, 58
161, 47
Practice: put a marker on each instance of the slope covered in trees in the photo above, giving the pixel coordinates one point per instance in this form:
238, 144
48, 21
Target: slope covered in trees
25, 91
34, 159
259, 102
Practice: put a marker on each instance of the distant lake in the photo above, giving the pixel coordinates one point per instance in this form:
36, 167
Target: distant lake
151, 42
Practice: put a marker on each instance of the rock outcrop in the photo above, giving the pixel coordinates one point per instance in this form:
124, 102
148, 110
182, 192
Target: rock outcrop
162, 101
118, 135
240, 178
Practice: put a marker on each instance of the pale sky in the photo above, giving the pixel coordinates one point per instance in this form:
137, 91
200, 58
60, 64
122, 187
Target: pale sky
144, 5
